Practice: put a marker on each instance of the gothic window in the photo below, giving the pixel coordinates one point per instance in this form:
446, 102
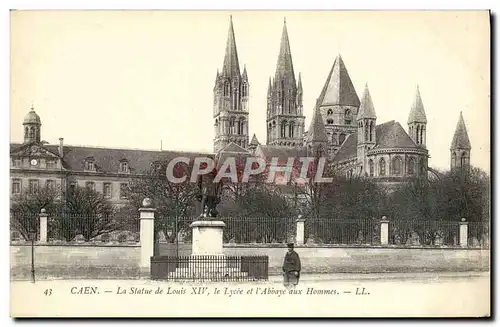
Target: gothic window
396, 166
226, 89
370, 167
423, 167
411, 166
366, 132
418, 135
291, 129
231, 125
283, 128
463, 160
381, 167
341, 138
422, 131
371, 131
329, 121
330, 112
244, 90
348, 117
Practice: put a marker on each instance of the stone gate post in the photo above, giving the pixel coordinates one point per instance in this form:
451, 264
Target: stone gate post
463, 233
299, 237
147, 219
384, 231
43, 226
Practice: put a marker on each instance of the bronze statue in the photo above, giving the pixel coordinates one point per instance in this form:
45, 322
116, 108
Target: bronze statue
209, 195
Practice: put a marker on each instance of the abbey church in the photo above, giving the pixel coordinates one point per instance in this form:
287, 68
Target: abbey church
343, 127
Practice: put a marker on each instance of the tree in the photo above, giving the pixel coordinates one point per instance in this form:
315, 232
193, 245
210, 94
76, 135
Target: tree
26, 208
175, 203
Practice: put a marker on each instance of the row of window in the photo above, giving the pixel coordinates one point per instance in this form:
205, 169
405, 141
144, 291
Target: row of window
90, 165
396, 166
34, 186
347, 117
49, 163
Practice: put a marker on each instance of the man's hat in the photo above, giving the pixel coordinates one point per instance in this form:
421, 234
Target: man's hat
290, 245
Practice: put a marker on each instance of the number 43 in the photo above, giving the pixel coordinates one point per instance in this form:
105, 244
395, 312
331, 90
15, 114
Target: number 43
48, 292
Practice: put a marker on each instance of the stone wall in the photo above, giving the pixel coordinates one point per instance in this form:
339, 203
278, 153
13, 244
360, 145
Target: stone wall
122, 262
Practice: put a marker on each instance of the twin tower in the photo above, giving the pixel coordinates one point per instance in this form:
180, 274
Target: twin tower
284, 100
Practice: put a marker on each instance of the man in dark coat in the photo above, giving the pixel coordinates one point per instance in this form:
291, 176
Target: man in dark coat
291, 267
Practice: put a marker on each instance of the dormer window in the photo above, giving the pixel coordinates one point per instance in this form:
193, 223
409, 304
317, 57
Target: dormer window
16, 162
124, 166
90, 164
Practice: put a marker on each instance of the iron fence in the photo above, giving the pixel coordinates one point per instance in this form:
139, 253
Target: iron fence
478, 234
22, 224
341, 231
210, 268
424, 232
259, 229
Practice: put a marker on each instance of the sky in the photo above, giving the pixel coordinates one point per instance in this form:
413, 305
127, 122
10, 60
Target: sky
144, 79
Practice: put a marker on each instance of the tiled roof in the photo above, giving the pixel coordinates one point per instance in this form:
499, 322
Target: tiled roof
388, 135
338, 88
461, 137
348, 150
108, 160
417, 112
283, 153
392, 135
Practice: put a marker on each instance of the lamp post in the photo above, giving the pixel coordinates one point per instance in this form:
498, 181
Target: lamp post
32, 237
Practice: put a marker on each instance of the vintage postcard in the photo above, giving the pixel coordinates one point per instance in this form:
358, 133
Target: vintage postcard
250, 163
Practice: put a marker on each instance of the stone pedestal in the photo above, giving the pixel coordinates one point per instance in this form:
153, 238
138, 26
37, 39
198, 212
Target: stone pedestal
207, 237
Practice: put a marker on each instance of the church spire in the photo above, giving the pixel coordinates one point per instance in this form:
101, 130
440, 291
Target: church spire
461, 137
366, 109
417, 112
231, 66
284, 66
316, 133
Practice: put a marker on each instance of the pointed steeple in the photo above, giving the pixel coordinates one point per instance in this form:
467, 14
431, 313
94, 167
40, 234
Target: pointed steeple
269, 88
284, 67
231, 66
461, 137
254, 141
299, 86
366, 109
316, 131
417, 112
244, 76
338, 88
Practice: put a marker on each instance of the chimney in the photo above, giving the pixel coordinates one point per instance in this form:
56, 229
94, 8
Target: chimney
61, 152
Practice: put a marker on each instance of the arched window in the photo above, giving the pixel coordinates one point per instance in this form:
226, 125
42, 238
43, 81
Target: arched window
32, 132
291, 129
341, 138
244, 90
370, 167
463, 160
381, 167
226, 89
329, 121
422, 131
283, 128
330, 112
453, 159
396, 166
232, 125
334, 138
347, 117
411, 166
423, 167
366, 132
371, 131
26, 131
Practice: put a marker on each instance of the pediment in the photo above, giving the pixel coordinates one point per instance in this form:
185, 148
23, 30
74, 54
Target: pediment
33, 151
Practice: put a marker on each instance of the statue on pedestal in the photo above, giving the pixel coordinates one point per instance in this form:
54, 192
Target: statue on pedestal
209, 195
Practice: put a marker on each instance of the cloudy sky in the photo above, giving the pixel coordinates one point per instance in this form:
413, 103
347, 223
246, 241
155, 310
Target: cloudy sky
134, 79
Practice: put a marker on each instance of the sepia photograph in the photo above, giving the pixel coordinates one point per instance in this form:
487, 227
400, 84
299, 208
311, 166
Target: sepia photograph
238, 163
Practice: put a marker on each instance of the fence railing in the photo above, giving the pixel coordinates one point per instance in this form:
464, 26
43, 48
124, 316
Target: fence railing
210, 268
22, 224
478, 234
424, 232
84, 228
259, 229
336, 231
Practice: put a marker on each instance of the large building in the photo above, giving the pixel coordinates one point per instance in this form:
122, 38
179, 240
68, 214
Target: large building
343, 128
